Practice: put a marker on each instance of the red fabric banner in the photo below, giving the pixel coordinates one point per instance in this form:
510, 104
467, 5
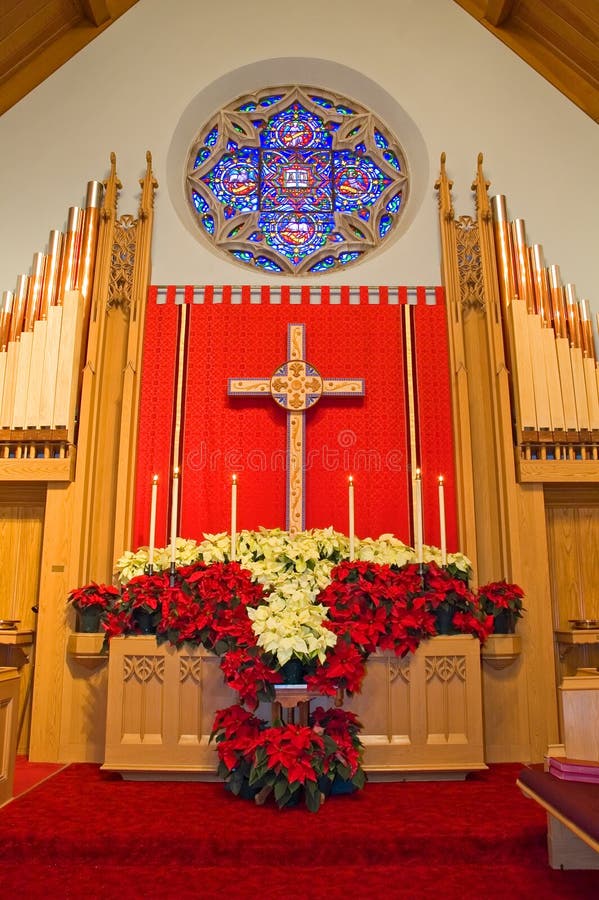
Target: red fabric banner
242, 333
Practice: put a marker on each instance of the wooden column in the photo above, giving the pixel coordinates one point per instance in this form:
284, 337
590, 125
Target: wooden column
123, 533
459, 370
83, 518
519, 705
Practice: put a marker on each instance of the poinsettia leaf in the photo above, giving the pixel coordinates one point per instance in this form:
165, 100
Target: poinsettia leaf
330, 745
359, 779
343, 772
312, 795
281, 789
236, 782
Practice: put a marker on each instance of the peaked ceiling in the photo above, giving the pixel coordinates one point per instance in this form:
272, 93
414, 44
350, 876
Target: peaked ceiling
558, 38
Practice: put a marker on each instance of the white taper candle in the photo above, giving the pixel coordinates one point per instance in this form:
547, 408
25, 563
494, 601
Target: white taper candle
152, 539
234, 517
418, 515
442, 521
352, 525
174, 513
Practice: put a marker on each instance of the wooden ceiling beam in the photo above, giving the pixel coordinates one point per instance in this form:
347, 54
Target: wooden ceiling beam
498, 11
16, 81
558, 38
96, 11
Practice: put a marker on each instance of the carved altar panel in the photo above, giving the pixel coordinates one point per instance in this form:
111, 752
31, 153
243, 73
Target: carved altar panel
433, 711
421, 716
161, 705
383, 707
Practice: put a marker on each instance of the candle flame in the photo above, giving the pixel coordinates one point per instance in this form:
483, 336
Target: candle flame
176, 472
154, 479
351, 479
440, 479
234, 478
418, 473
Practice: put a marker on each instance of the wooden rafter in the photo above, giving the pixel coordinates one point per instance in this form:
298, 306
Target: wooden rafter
498, 11
558, 39
95, 10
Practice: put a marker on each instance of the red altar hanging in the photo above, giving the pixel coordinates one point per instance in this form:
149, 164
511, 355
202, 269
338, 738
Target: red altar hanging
393, 338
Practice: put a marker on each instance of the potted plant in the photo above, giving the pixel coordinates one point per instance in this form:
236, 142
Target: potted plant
142, 598
92, 603
503, 601
343, 773
287, 762
291, 627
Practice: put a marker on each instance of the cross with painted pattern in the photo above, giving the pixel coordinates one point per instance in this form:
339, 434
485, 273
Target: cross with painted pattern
296, 386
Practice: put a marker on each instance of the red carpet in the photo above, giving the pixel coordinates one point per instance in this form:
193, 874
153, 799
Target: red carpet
28, 774
85, 834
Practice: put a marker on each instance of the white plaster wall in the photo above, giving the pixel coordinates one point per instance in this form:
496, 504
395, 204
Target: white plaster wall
424, 63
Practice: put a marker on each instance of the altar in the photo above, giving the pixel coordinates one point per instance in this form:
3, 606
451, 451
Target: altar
421, 715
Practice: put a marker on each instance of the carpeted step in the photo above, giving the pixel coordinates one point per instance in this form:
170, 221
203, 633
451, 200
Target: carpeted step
168, 880
200, 822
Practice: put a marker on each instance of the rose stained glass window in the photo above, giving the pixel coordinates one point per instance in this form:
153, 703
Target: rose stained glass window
296, 180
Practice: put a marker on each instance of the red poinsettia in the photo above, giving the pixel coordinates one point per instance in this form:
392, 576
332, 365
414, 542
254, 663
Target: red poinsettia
222, 591
499, 595
247, 673
344, 667
116, 624
282, 759
340, 729
103, 596
291, 750
145, 592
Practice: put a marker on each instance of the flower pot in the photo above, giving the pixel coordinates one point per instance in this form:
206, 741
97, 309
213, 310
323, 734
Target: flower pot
504, 622
342, 786
143, 621
292, 672
325, 785
89, 619
444, 620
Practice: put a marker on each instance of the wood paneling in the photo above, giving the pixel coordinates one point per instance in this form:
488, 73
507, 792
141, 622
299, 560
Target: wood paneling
22, 509
21, 528
572, 514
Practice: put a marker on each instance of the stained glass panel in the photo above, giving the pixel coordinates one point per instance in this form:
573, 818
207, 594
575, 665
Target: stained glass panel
294, 182
357, 180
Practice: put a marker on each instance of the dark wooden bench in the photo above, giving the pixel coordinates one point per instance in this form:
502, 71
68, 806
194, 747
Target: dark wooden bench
572, 817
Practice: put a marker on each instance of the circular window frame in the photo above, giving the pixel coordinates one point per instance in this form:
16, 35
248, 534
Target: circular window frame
356, 237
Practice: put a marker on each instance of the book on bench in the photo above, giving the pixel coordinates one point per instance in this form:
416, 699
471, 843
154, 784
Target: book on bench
574, 769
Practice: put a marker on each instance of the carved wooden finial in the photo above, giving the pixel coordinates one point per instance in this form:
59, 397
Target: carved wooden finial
443, 185
111, 186
148, 185
481, 186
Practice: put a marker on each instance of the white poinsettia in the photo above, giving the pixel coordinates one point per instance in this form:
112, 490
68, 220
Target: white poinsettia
385, 550
290, 622
276, 558
131, 564
460, 562
214, 548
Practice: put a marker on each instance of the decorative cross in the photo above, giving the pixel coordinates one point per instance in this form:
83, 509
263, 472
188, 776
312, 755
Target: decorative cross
296, 386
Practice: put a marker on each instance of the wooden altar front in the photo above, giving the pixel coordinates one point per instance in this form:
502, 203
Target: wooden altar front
421, 716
